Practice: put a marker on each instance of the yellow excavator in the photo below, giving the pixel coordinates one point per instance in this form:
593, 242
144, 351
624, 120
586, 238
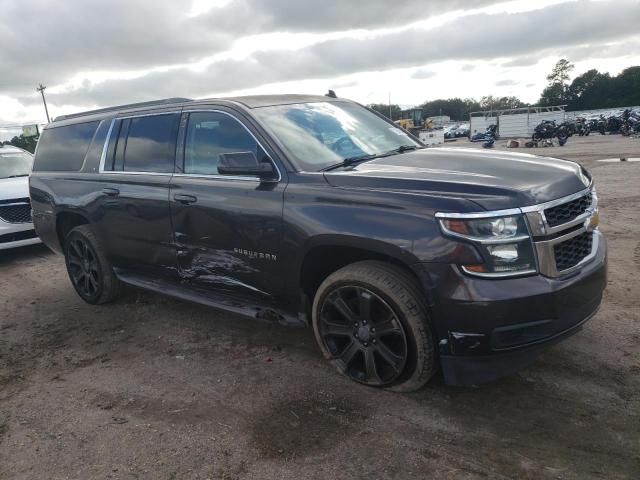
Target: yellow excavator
413, 120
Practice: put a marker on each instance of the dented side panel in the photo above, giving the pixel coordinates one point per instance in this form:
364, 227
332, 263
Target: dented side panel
229, 239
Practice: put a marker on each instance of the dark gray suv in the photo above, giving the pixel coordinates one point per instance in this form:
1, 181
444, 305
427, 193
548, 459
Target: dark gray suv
316, 211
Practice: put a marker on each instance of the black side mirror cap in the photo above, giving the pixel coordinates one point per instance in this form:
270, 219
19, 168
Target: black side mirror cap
245, 164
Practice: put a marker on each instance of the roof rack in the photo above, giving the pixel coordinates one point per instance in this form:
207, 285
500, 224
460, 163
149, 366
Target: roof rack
153, 103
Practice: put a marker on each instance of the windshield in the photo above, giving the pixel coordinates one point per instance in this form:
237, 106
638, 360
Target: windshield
319, 135
15, 164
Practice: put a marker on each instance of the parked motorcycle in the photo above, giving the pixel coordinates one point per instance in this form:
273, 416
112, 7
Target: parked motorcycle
546, 131
491, 133
570, 126
582, 127
630, 123
598, 124
614, 124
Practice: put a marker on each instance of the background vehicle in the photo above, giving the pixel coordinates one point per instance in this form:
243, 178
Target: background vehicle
315, 211
462, 130
450, 131
412, 120
16, 227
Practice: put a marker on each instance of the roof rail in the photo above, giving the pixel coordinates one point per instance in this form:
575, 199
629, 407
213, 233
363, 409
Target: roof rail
153, 103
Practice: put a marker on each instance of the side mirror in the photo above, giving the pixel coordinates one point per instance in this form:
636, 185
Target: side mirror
245, 164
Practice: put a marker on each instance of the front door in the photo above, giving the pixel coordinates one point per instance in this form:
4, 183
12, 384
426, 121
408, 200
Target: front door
227, 229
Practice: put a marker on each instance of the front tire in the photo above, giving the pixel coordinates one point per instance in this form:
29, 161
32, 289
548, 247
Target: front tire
89, 270
371, 323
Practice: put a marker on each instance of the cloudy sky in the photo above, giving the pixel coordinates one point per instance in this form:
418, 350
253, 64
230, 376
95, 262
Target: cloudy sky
94, 53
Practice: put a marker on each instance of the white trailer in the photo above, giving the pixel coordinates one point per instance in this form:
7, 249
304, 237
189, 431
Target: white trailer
515, 122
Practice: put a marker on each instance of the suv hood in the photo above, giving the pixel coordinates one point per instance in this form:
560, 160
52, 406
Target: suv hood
11, 188
492, 179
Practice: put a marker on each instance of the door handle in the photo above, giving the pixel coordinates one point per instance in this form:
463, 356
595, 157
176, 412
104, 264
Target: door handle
112, 192
185, 199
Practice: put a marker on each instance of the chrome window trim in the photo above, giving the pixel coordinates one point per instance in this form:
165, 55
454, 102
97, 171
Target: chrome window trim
122, 172
219, 177
103, 155
124, 117
192, 175
84, 160
232, 177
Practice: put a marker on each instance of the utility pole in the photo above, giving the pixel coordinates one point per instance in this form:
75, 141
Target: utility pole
41, 88
390, 118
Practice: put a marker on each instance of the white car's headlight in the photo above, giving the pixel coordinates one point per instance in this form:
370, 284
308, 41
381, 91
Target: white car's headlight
503, 241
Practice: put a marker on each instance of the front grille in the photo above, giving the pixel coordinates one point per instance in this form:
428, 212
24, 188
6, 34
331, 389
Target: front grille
571, 252
567, 211
16, 211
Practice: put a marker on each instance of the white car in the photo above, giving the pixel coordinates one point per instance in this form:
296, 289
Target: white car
16, 226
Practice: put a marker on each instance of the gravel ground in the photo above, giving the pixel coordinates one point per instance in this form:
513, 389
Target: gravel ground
151, 387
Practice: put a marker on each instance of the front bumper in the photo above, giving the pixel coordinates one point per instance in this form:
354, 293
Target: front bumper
14, 235
489, 328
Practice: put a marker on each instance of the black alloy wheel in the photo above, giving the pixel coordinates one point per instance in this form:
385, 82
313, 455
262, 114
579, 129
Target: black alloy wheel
84, 268
363, 335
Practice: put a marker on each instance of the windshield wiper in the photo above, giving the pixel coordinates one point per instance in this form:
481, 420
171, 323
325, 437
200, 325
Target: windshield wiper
349, 161
402, 149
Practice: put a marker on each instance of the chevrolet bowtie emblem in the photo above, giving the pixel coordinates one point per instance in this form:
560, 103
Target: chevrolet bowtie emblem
592, 222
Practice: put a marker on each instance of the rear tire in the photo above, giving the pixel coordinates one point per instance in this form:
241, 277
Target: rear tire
371, 323
89, 270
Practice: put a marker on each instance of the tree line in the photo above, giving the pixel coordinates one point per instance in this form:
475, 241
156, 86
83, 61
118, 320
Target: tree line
26, 143
591, 90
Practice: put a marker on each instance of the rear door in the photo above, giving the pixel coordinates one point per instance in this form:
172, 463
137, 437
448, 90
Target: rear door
133, 210
227, 229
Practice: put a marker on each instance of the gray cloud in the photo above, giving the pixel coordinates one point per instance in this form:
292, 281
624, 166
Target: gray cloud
468, 67
506, 83
50, 41
556, 28
422, 74
524, 61
330, 15
630, 46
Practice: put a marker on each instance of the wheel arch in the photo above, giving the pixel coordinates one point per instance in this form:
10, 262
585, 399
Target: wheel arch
326, 254
67, 221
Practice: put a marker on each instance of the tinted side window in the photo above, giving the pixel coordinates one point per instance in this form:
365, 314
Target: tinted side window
150, 144
62, 149
208, 135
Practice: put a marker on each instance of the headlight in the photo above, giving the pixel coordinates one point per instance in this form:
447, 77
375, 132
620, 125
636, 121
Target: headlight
503, 241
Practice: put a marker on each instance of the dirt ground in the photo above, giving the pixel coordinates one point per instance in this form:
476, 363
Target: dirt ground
151, 387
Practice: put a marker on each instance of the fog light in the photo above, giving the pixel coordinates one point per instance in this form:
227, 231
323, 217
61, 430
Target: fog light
504, 253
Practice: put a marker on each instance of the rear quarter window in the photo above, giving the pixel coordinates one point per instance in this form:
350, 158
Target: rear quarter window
62, 149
